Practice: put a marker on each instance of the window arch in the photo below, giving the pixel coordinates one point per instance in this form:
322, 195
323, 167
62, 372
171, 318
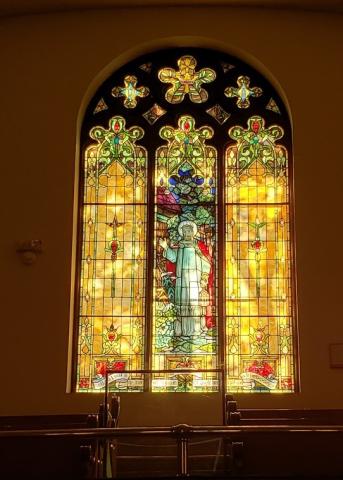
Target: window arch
186, 248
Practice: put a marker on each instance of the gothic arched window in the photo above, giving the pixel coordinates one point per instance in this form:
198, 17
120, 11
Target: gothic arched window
186, 252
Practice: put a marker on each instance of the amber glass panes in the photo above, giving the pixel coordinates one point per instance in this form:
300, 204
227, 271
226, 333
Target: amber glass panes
258, 261
185, 261
185, 319
112, 290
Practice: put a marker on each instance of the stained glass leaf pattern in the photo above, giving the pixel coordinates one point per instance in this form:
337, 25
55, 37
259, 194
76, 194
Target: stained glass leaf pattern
146, 67
184, 329
227, 66
186, 81
218, 113
101, 106
243, 92
130, 91
112, 300
272, 105
154, 113
258, 266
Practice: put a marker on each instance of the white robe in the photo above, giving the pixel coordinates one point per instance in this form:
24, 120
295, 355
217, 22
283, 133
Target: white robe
189, 267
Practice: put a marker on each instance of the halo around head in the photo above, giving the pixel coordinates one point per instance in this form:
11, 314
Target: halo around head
184, 224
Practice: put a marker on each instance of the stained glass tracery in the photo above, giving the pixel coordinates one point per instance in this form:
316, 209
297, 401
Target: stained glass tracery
167, 168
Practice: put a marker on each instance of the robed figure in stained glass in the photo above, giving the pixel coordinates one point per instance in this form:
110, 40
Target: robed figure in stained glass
193, 268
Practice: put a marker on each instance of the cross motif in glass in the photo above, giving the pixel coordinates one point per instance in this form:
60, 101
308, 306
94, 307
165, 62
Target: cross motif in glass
186, 81
130, 92
243, 92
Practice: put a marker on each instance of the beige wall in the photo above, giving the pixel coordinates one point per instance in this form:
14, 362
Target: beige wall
48, 63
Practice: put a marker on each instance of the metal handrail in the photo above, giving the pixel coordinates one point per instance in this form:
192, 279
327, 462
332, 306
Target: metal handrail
155, 431
107, 438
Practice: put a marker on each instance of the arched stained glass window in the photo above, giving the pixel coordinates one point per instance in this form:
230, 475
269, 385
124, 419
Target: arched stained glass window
186, 249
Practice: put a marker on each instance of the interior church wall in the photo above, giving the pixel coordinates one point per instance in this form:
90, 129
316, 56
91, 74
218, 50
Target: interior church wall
50, 64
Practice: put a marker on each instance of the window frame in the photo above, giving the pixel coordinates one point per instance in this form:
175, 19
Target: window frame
213, 59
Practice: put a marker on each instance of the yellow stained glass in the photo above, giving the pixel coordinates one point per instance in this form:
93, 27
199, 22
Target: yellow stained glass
259, 314
112, 287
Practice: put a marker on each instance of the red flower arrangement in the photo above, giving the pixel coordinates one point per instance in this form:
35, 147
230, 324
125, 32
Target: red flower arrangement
101, 367
84, 382
261, 368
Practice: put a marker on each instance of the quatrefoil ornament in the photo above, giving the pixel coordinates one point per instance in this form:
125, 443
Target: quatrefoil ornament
186, 81
130, 92
243, 92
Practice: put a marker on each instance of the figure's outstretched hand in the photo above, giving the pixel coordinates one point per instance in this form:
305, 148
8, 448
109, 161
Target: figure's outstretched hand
163, 243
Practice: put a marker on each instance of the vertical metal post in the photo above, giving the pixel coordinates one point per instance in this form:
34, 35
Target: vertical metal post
106, 399
223, 395
182, 433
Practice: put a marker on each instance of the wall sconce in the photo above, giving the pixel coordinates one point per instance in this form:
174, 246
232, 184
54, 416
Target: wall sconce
28, 251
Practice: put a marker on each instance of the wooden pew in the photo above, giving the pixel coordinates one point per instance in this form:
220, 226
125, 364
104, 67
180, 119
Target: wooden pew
279, 416
56, 457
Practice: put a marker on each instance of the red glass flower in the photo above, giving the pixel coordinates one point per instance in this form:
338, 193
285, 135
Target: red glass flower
114, 248
84, 382
112, 334
255, 127
118, 366
256, 244
101, 368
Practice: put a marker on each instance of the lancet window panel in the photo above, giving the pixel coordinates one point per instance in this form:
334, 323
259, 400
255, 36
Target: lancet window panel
258, 261
113, 270
185, 314
185, 252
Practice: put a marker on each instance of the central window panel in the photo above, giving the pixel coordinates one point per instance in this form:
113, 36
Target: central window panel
185, 314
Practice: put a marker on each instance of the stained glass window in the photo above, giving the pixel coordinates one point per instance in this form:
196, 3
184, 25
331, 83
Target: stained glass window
112, 288
258, 260
184, 333
186, 249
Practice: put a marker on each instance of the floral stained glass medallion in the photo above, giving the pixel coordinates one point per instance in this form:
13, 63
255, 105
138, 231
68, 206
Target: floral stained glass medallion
186, 81
258, 253
184, 328
112, 300
130, 92
243, 92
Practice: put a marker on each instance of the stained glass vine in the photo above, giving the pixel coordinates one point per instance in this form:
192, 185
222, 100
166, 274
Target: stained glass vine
186, 250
